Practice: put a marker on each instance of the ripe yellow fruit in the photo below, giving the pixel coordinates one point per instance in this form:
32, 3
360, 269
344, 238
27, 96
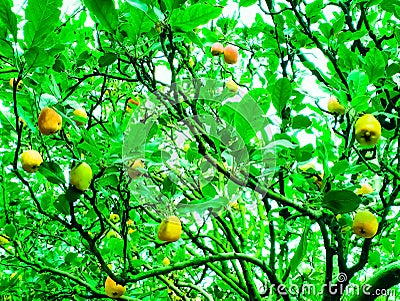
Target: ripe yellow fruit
134, 168
365, 224
81, 176
232, 86
135, 101
50, 122
367, 130
217, 49
31, 160
191, 63
170, 229
231, 54
113, 289
335, 107
307, 166
234, 205
166, 261
114, 218
4, 239
364, 189
14, 274
113, 234
80, 113
317, 179
19, 85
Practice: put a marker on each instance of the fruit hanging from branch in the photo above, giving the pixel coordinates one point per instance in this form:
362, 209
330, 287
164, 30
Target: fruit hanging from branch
365, 224
367, 130
217, 49
49, 121
231, 54
170, 229
113, 289
335, 107
31, 160
81, 176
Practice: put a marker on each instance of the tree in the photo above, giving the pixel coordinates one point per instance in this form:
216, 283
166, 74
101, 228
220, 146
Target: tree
258, 224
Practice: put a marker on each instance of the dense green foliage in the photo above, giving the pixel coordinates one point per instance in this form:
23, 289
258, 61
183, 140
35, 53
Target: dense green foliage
255, 225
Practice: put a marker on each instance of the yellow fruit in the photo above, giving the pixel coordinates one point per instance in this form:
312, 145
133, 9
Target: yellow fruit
232, 86
234, 205
113, 289
114, 218
19, 85
365, 224
112, 234
231, 54
31, 160
345, 222
135, 101
81, 176
186, 146
364, 189
134, 168
4, 239
191, 63
50, 122
217, 49
335, 107
23, 123
170, 229
13, 275
80, 113
166, 261
367, 130
317, 179
306, 167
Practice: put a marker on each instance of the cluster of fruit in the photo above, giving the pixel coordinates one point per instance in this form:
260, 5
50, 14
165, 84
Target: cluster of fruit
231, 56
365, 224
367, 128
49, 123
170, 230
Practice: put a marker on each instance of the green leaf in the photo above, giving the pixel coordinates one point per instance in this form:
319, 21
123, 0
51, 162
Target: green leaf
246, 116
107, 59
358, 83
375, 65
139, 5
42, 18
396, 249
105, 13
314, 9
340, 167
341, 201
53, 172
6, 48
62, 204
189, 18
10, 230
301, 249
281, 92
37, 57
173, 4
138, 23
70, 257
360, 103
246, 3
301, 122
7, 17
